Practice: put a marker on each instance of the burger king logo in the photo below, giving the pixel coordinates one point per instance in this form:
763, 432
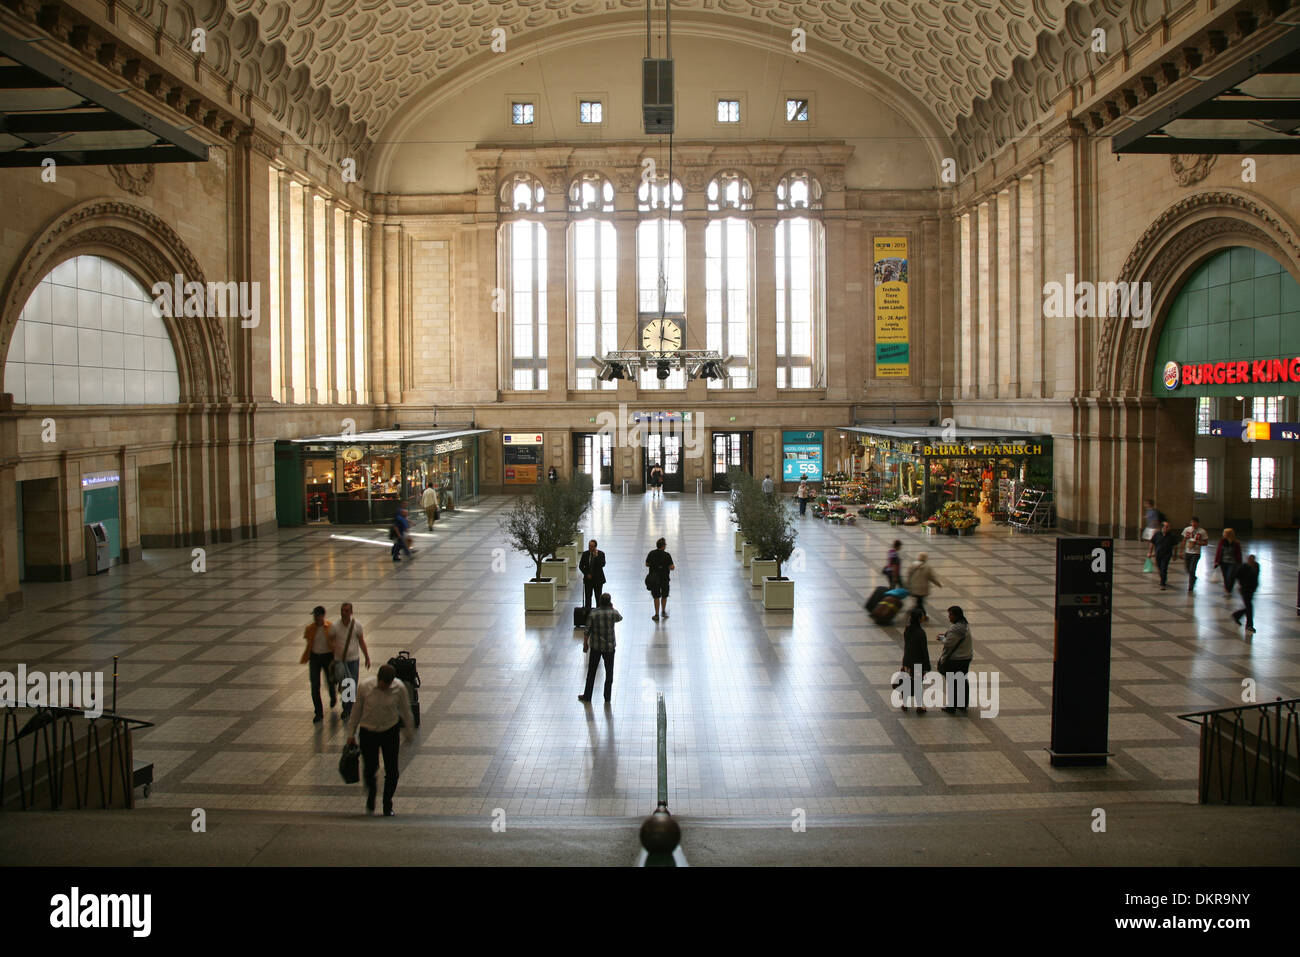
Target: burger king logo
1171, 375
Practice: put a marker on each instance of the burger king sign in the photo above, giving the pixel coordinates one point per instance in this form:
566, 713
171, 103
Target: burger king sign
1172, 375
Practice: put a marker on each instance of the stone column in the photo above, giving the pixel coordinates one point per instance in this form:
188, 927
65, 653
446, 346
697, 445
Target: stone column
764, 360
394, 274
376, 334
558, 360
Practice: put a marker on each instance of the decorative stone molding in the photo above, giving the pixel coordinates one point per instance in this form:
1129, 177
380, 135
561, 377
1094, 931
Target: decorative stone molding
1190, 168
150, 248
135, 178
1163, 253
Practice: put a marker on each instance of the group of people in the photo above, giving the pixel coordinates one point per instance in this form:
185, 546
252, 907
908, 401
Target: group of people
376, 709
1163, 542
954, 658
919, 578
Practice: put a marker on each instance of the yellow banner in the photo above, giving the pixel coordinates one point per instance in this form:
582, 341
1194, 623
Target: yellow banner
892, 359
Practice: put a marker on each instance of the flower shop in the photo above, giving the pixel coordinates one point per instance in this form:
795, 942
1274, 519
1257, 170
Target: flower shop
948, 480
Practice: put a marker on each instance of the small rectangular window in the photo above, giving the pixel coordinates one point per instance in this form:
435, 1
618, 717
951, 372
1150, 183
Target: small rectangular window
1263, 476
1203, 412
521, 114
591, 112
1267, 408
1201, 476
796, 110
728, 111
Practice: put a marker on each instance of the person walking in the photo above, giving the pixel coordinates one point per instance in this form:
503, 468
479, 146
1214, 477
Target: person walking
803, 495
1162, 545
660, 564
920, 579
768, 485
916, 655
317, 654
1194, 539
552, 475
429, 502
348, 639
400, 533
1248, 579
1152, 517
592, 566
383, 712
955, 658
894, 565
599, 642
656, 480
1227, 556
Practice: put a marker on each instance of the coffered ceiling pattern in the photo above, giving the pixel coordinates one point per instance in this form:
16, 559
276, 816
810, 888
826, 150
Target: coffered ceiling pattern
985, 68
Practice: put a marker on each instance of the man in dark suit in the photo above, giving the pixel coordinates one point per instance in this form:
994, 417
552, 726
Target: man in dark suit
1248, 581
592, 566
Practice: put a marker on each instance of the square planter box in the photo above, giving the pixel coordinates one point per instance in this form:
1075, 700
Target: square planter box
568, 553
759, 569
778, 595
747, 554
740, 542
558, 569
539, 596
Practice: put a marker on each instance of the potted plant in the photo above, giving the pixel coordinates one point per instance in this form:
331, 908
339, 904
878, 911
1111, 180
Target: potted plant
775, 532
573, 500
535, 526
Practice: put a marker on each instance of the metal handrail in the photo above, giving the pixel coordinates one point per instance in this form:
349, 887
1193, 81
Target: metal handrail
1276, 741
51, 727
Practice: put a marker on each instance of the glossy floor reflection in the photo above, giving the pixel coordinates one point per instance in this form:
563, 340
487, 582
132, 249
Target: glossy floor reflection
769, 711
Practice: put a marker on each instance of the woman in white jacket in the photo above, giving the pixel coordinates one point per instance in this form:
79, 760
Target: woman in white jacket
920, 578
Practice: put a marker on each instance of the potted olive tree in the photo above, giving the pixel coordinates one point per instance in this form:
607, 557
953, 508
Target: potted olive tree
775, 531
535, 525
746, 500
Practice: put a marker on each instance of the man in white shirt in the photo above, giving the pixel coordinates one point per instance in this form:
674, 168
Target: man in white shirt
768, 485
383, 710
429, 502
349, 651
1194, 539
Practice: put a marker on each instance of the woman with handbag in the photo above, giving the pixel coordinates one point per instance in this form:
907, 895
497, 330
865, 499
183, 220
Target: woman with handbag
955, 658
916, 660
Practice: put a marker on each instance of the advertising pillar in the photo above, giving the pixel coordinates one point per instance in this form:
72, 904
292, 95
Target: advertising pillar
1081, 653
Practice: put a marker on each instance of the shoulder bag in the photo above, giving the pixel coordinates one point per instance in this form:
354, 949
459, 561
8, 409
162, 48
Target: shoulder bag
339, 667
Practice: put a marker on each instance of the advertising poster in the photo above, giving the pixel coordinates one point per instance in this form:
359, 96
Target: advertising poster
802, 456
890, 273
522, 457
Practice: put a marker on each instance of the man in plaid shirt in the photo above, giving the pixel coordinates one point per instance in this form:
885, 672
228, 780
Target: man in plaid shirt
599, 641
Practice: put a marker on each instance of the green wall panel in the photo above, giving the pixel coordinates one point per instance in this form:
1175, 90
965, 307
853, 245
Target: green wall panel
1239, 304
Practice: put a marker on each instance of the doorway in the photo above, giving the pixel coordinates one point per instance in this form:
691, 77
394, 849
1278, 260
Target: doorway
593, 455
731, 450
665, 448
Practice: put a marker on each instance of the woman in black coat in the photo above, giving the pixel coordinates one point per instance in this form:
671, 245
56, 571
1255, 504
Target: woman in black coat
916, 654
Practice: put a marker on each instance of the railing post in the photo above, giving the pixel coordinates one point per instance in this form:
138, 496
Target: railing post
660, 834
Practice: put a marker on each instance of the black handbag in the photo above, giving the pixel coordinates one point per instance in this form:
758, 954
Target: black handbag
350, 763
648, 583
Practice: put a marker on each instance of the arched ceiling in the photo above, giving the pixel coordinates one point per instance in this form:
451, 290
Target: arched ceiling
373, 54
351, 65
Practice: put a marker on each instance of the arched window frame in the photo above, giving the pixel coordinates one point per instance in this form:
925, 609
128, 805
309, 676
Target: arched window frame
592, 275
521, 239
799, 209
729, 299
658, 232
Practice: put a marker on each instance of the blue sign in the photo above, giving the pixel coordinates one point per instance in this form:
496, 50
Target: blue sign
801, 456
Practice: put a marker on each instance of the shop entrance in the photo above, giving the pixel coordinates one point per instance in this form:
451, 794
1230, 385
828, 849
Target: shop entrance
731, 450
593, 455
664, 448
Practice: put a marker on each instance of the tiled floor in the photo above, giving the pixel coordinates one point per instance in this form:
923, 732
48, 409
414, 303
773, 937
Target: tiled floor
768, 711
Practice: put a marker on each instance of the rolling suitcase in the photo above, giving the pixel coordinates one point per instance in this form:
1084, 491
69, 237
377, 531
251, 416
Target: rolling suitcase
886, 609
407, 673
579, 617
876, 595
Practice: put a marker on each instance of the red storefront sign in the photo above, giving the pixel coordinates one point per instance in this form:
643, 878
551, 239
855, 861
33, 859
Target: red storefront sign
1245, 371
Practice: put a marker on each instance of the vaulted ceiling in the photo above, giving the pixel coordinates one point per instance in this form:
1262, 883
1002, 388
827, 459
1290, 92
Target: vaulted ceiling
357, 62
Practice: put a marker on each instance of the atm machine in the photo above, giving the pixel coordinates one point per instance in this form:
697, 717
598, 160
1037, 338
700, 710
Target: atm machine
97, 557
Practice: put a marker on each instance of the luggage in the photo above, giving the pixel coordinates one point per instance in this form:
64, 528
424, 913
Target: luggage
579, 617
349, 764
886, 609
899, 593
404, 665
876, 595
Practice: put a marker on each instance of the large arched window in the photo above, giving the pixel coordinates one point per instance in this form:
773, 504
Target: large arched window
593, 272
661, 266
800, 282
522, 244
728, 257
89, 335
